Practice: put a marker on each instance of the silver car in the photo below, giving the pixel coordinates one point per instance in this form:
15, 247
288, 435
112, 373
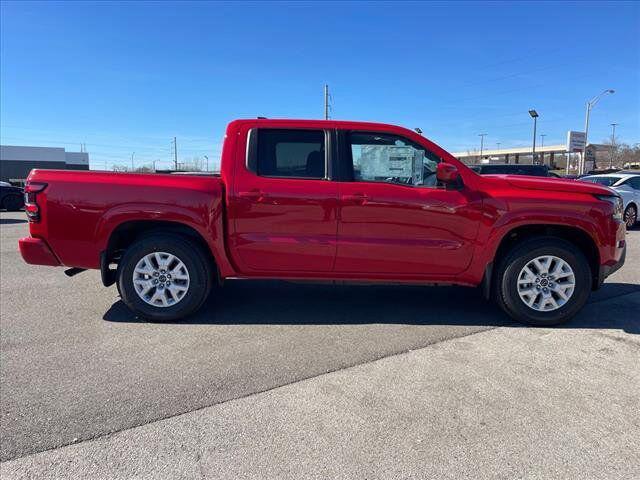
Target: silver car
627, 185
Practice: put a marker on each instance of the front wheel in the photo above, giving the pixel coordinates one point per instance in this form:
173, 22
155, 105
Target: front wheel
164, 277
630, 216
543, 281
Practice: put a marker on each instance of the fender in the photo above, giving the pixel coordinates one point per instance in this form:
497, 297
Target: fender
491, 236
207, 222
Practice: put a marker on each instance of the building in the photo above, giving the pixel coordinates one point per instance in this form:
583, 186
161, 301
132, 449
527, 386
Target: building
16, 161
555, 156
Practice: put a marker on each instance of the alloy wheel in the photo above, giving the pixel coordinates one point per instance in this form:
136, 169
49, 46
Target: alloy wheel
546, 283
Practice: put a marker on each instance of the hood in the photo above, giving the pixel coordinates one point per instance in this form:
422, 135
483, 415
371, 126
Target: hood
557, 185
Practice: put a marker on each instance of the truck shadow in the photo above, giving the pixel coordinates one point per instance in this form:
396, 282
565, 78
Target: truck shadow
283, 303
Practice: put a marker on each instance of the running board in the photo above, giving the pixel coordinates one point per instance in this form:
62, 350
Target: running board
70, 272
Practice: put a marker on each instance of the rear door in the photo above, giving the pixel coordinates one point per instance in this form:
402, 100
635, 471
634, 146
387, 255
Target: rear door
284, 205
395, 220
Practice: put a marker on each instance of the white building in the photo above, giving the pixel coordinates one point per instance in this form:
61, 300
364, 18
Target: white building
17, 161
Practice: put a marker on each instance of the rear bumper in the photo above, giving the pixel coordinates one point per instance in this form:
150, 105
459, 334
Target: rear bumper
36, 252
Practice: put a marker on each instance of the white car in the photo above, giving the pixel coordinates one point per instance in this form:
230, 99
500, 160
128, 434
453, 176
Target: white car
628, 186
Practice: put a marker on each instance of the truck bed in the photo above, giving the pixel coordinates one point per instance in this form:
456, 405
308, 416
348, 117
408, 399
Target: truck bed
80, 209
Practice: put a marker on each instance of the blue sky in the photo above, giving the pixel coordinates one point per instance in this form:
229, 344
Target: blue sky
127, 77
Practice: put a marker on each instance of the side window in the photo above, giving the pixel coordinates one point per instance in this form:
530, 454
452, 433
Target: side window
290, 153
380, 157
634, 182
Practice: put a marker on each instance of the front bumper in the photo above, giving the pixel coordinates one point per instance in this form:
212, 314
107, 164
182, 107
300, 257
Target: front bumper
606, 270
36, 252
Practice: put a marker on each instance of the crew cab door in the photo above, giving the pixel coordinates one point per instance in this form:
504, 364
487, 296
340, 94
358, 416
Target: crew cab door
283, 205
395, 220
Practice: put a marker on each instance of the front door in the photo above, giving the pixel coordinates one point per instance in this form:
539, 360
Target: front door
395, 220
284, 205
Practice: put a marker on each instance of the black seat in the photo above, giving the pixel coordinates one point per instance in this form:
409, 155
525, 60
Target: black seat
315, 164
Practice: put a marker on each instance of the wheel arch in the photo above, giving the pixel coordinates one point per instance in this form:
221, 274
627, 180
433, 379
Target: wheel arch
129, 232
575, 235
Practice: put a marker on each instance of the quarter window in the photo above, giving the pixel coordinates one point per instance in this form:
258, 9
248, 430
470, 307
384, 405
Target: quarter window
291, 153
379, 157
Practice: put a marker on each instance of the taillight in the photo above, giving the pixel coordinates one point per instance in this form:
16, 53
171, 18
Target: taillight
31, 191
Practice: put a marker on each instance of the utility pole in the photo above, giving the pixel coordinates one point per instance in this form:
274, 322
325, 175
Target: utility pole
206, 168
481, 135
175, 153
542, 140
132, 167
326, 102
613, 143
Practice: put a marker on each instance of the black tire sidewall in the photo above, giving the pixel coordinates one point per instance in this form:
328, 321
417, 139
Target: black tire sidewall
523, 254
12, 203
625, 215
195, 262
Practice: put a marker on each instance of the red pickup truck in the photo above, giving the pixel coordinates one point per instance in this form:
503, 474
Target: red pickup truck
329, 201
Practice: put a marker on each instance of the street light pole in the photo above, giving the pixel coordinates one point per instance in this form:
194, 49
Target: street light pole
481, 135
535, 116
613, 143
590, 105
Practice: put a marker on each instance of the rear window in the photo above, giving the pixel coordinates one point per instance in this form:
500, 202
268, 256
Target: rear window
291, 153
606, 181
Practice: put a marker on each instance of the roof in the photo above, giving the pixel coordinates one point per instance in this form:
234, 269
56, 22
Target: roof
621, 175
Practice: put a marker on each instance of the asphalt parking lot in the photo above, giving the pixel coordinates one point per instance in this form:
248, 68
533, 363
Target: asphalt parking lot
278, 380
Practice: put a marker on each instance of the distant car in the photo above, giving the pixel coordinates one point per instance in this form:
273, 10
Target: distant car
628, 186
11, 198
514, 169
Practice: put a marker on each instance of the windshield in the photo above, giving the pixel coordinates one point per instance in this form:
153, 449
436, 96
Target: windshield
606, 181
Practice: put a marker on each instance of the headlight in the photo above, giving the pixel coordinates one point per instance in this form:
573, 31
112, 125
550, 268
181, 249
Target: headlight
616, 203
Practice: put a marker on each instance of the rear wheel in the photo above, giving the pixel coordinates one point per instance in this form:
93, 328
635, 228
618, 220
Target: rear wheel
12, 203
630, 216
543, 281
164, 277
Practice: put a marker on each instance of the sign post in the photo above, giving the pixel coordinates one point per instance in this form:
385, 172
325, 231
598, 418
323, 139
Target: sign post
576, 142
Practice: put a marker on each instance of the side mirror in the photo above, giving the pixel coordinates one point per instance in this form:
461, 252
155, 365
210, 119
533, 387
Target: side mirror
447, 173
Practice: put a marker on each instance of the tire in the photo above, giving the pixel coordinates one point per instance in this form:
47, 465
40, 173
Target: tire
511, 276
630, 216
197, 266
12, 203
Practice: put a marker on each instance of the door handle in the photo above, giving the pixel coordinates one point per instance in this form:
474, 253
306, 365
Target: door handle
358, 198
257, 195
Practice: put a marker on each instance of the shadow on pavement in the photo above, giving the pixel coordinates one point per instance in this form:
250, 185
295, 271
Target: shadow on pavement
282, 303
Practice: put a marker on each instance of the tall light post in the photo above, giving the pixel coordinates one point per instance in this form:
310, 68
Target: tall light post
542, 139
481, 135
535, 116
206, 168
590, 104
613, 143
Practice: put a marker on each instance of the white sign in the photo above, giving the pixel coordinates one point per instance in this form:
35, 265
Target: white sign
390, 161
575, 141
